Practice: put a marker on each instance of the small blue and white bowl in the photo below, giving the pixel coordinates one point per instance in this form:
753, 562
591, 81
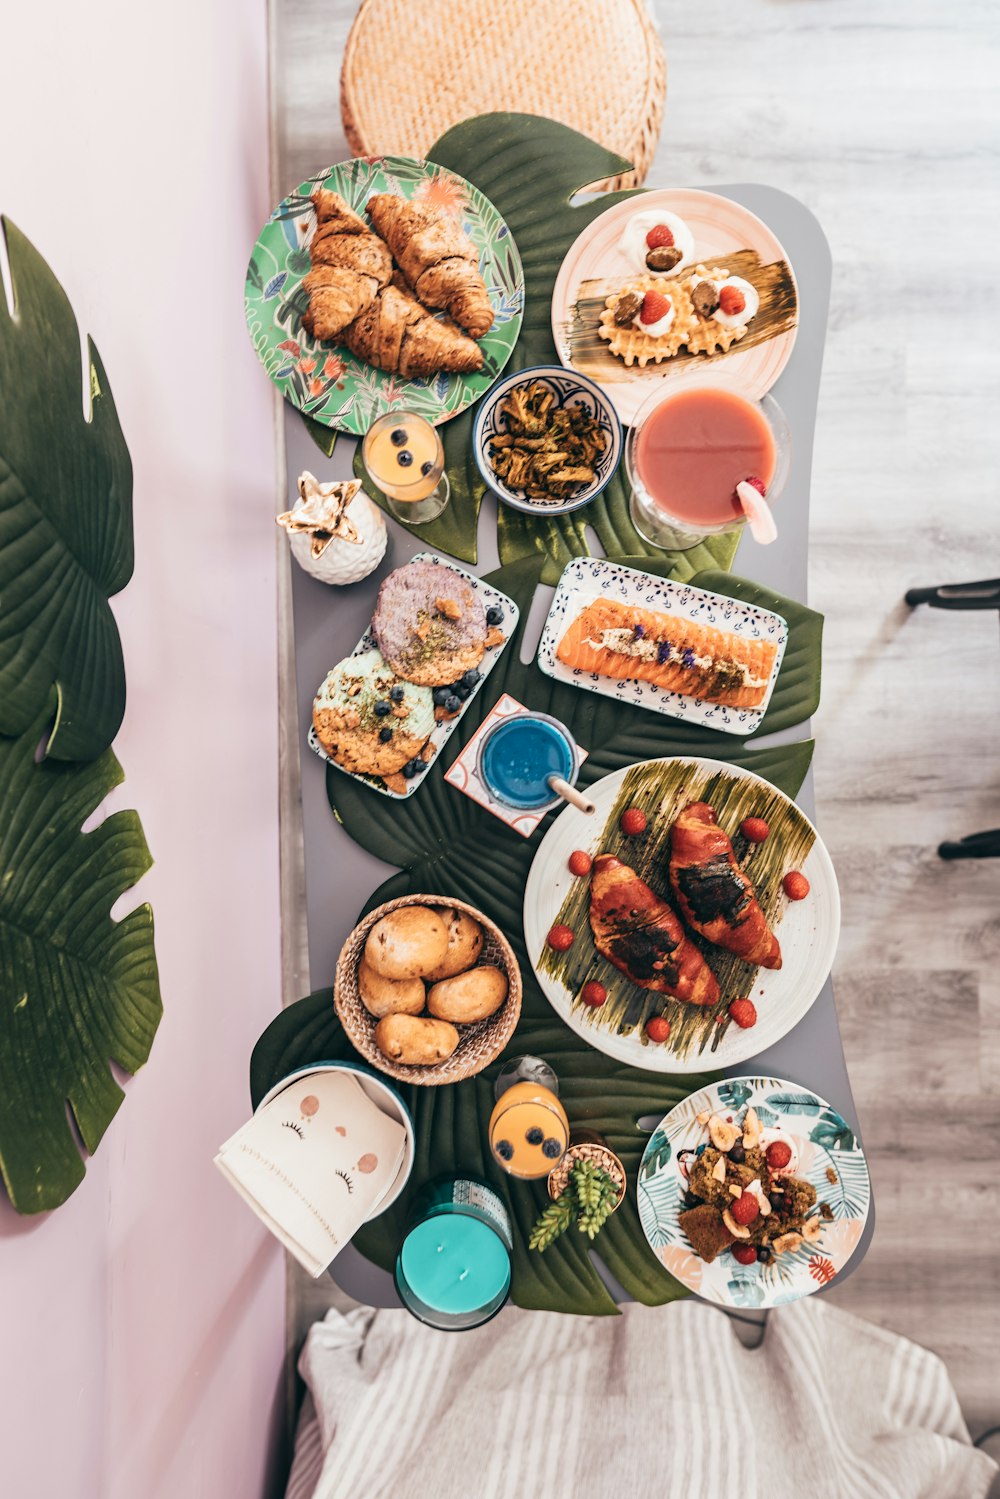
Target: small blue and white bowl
571, 389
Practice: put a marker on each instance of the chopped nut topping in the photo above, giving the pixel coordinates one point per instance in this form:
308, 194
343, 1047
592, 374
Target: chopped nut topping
735, 1190
423, 629
719, 1170
450, 608
494, 637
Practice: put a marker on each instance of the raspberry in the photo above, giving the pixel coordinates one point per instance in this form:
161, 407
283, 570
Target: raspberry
579, 862
745, 1209
744, 1012
658, 237
758, 484
560, 938
658, 1028
594, 994
744, 1254
754, 828
731, 300
779, 1153
654, 306
633, 822
795, 885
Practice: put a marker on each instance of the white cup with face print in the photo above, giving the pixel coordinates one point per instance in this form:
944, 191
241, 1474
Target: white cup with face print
329, 1147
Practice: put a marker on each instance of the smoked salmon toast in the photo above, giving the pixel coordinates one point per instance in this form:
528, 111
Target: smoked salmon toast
713, 894
640, 934
716, 666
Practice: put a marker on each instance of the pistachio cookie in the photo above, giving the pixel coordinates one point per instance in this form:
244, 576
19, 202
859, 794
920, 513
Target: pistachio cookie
430, 624
368, 719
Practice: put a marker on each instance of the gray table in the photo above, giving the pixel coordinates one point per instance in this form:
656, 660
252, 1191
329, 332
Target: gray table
338, 875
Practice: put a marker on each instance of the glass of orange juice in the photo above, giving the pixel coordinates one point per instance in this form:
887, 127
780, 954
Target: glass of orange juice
529, 1131
404, 456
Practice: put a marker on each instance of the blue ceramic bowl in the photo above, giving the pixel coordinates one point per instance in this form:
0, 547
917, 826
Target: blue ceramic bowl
570, 389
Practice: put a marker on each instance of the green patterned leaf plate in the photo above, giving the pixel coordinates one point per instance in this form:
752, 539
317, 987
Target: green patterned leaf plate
325, 382
824, 1152
701, 1036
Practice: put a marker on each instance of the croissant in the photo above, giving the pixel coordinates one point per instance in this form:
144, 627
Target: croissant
398, 334
437, 258
350, 265
714, 895
639, 933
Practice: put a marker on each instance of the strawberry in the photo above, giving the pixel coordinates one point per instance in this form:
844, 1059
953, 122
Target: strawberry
744, 1254
658, 1028
633, 821
795, 885
561, 938
755, 829
744, 1012
658, 237
758, 484
579, 862
594, 994
654, 306
731, 300
778, 1153
745, 1209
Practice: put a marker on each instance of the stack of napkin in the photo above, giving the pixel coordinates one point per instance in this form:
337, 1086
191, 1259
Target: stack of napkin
314, 1163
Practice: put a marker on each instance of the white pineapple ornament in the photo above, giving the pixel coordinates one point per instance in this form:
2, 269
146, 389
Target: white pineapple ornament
336, 534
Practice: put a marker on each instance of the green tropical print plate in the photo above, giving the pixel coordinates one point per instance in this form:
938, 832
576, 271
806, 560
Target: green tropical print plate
326, 382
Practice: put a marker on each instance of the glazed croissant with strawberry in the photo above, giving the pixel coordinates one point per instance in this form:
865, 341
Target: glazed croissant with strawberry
713, 894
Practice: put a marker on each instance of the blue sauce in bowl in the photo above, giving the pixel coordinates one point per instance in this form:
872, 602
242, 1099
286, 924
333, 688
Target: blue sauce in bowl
519, 756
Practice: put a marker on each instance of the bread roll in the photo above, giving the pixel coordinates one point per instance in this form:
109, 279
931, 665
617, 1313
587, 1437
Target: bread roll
383, 996
465, 943
414, 1040
468, 996
407, 943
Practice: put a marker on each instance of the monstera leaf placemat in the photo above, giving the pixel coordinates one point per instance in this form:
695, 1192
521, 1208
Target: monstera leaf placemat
65, 519
530, 169
449, 845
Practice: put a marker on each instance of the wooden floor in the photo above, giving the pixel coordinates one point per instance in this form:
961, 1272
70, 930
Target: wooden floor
885, 119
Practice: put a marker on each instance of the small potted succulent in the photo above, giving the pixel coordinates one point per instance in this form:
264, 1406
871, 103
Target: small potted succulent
586, 1187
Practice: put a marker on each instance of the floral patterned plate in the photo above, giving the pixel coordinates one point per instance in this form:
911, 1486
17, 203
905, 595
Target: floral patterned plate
327, 382
492, 598
829, 1156
588, 578
701, 1036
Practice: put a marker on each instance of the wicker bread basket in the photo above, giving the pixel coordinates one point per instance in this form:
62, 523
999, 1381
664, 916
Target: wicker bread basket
480, 1043
414, 68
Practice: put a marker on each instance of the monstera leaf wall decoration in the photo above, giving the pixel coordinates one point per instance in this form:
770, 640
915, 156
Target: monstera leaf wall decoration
450, 846
77, 989
531, 169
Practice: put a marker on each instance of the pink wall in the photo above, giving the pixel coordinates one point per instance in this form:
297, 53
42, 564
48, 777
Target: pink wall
141, 1327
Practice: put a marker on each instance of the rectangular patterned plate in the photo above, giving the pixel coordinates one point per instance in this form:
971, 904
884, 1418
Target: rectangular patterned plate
491, 597
586, 579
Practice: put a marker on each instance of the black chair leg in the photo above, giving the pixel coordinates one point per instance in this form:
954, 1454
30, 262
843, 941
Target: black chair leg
982, 595
976, 846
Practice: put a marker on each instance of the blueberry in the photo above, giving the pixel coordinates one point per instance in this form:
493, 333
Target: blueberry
534, 1136
471, 678
385, 734
427, 468
551, 1149
441, 696
409, 770
763, 1253
463, 692
397, 693
405, 458
504, 1150
737, 1154
382, 708
692, 1200
452, 703
494, 616
398, 437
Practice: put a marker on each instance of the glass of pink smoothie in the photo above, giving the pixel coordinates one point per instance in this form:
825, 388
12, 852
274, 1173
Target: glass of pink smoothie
686, 452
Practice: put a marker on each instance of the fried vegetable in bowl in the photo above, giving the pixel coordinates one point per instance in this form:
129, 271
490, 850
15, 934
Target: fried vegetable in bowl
547, 440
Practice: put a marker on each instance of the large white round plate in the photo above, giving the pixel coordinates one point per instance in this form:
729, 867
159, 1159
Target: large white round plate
824, 1143
701, 1037
726, 234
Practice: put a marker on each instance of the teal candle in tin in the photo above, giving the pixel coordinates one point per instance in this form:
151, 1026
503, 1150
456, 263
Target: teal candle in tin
453, 1269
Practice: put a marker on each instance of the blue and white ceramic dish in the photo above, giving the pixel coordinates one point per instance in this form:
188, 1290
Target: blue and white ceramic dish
570, 389
826, 1153
588, 578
